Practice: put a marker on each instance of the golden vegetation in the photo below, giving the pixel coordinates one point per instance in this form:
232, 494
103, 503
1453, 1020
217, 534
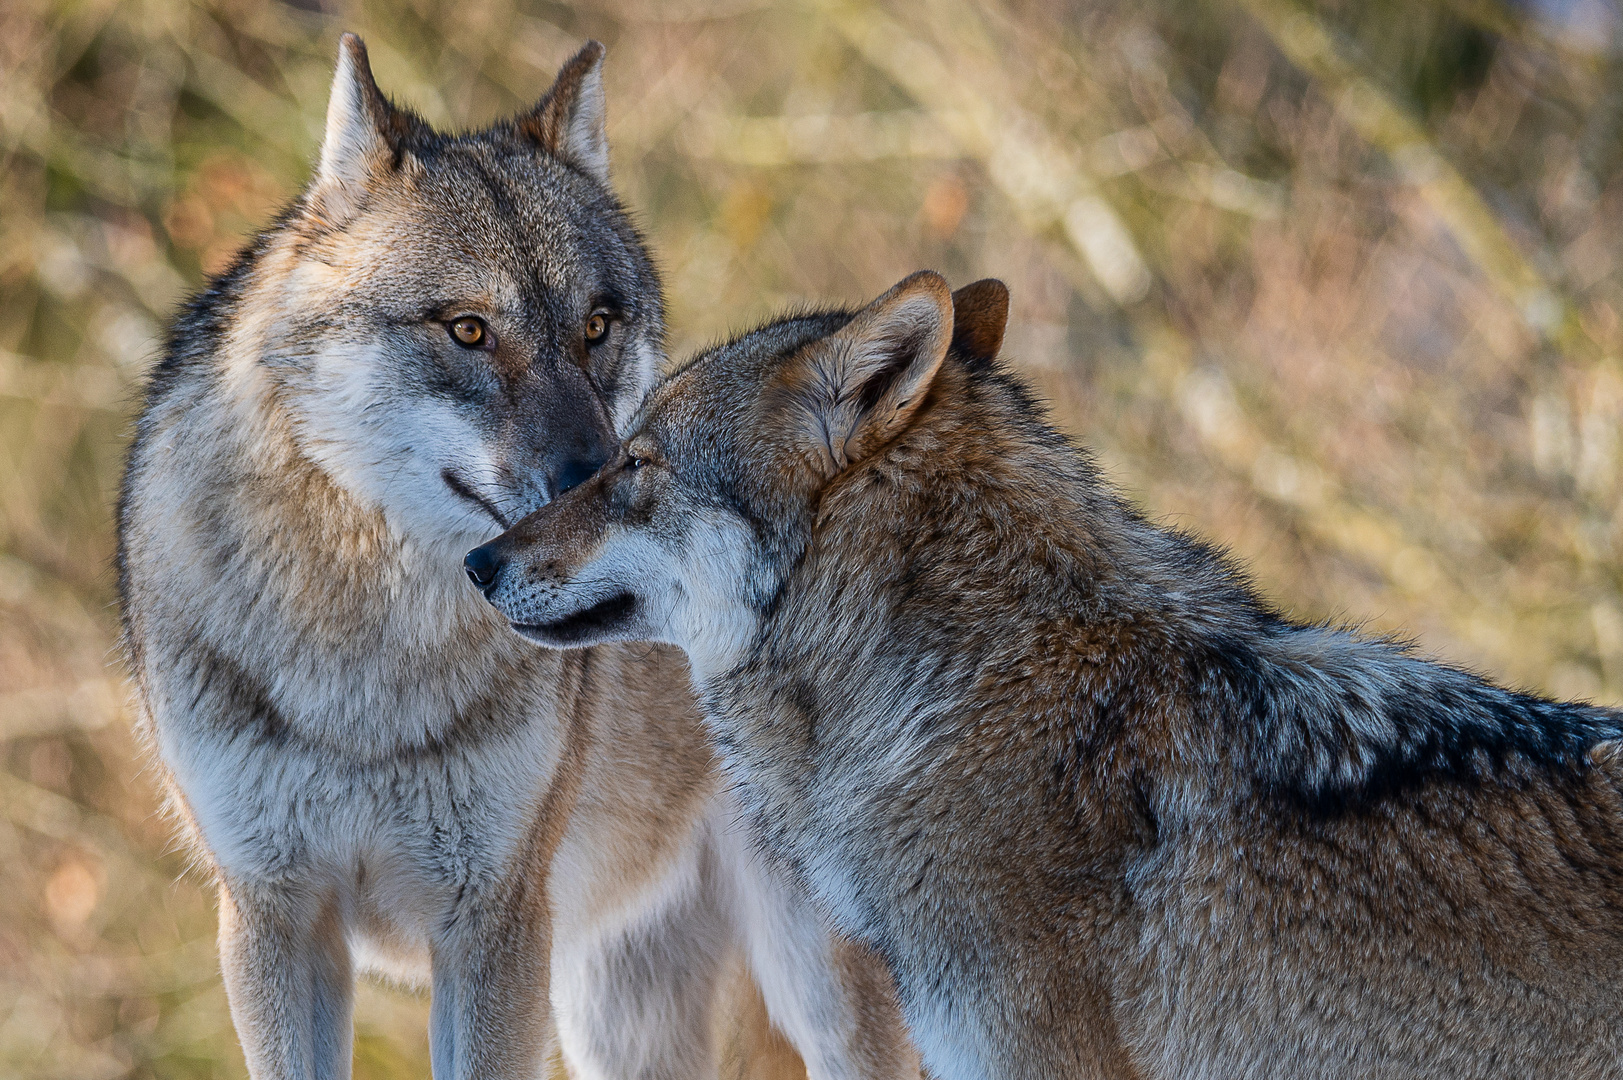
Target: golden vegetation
1335, 284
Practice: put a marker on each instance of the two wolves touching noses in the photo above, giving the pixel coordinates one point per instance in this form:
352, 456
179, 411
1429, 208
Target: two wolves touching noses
876, 734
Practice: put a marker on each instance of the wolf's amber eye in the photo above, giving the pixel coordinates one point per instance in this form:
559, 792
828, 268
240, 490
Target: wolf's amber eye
597, 327
470, 332
635, 463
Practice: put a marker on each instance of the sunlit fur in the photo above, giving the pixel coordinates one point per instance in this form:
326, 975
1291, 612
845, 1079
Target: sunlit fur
378, 774
1102, 809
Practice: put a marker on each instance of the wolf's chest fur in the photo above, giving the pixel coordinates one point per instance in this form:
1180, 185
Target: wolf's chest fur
337, 706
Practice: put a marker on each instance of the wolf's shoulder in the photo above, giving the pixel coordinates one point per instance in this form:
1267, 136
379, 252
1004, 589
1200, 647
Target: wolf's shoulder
200, 325
1153, 642
1177, 634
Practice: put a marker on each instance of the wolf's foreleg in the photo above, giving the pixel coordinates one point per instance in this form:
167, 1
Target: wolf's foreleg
489, 1017
832, 997
635, 995
289, 980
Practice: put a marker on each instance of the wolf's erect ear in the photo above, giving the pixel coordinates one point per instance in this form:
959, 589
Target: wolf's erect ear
980, 311
570, 121
363, 131
874, 372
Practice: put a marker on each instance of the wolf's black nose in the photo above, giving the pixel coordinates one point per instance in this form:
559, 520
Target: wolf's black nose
574, 474
482, 566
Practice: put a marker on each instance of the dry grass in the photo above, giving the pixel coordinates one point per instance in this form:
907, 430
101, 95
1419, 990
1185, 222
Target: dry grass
1335, 284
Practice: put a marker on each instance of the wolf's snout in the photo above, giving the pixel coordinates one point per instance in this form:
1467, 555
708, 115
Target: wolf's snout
482, 565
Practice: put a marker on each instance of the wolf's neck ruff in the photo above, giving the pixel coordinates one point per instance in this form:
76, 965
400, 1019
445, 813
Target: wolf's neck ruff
368, 636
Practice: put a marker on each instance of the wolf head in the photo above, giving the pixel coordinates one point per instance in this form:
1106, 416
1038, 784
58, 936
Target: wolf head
690, 530
457, 323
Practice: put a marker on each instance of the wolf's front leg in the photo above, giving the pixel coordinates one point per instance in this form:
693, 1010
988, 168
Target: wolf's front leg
636, 992
289, 980
832, 997
489, 1018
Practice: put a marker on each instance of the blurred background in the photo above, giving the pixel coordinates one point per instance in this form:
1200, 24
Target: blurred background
1334, 283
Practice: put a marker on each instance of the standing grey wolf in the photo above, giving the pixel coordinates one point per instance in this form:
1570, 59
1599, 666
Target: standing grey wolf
441, 334
1102, 810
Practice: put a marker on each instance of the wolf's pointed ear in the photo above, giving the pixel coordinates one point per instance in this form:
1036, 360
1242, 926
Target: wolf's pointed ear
874, 372
980, 311
570, 121
362, 131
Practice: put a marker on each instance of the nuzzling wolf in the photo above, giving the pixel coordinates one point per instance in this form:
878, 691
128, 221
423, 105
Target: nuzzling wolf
1102, 809
440, 335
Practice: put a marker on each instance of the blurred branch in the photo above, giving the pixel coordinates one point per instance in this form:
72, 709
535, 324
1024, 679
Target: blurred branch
117, 178
1507, 21
783, 140
1386, 125
1047, 185
49, 814
1490, 15
1381, 122
684, 11
1043, 178
269, 118
92, 704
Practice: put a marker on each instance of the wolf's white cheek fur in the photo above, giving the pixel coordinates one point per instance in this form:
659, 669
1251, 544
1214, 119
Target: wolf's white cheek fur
642, 371
711, 616
388, 447
639, 564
